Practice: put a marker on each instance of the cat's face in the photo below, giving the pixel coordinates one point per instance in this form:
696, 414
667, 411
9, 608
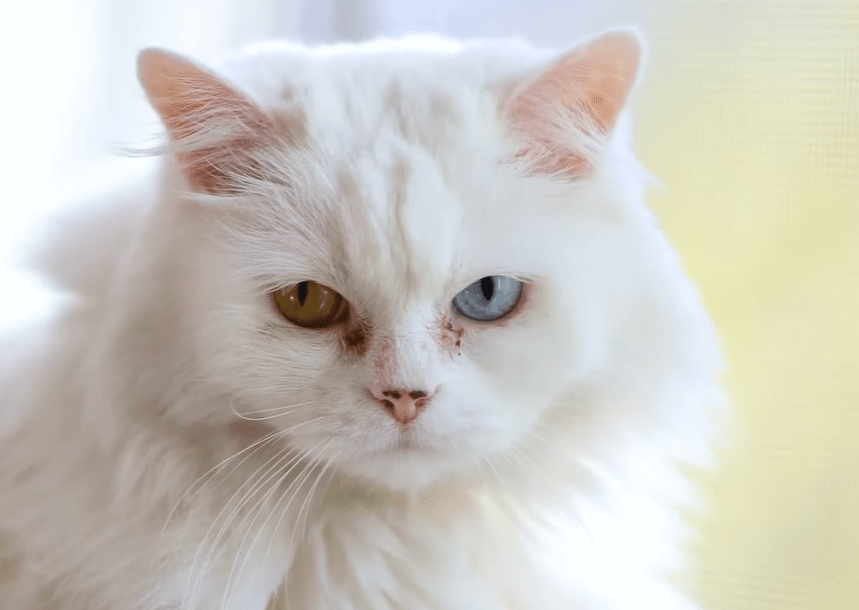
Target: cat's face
379, 300
391, 287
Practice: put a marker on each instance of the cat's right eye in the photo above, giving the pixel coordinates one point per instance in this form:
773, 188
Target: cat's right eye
488, 299
310, 305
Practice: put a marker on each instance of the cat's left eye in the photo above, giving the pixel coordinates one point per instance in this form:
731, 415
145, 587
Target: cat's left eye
488, 299
310, 305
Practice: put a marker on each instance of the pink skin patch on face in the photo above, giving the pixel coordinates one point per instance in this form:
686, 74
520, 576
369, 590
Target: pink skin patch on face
354, 334
450, 337
382, 361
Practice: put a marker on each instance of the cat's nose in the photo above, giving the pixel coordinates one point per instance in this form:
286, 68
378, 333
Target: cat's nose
402, 404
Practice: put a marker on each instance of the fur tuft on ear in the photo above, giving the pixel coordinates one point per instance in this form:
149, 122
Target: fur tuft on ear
564, 113
214, 127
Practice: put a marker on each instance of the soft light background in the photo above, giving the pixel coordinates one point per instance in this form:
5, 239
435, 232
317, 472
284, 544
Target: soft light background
750, 118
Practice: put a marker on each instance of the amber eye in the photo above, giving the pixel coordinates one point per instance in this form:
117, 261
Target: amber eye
310, 305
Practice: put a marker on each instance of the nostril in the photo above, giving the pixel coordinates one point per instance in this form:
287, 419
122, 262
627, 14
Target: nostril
389, 406
403, 405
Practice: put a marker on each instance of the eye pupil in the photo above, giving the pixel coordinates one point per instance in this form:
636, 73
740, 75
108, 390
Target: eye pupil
487, 287
302, 293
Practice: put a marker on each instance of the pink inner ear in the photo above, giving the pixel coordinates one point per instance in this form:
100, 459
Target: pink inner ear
586, 91
195, 104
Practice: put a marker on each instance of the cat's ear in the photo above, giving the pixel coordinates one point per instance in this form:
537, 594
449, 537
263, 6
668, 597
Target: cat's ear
214, 127
574, 104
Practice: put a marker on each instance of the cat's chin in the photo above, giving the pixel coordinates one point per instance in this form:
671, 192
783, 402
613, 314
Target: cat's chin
406, 468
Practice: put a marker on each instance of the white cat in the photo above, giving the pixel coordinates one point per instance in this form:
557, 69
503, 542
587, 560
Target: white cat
391, 329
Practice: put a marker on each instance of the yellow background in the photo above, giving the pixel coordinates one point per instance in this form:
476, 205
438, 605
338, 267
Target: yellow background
750, 118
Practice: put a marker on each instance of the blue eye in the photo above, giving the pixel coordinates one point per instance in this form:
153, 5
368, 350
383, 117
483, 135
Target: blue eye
488, 299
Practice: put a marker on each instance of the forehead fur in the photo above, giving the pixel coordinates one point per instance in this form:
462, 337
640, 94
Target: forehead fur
397, 187
413, 82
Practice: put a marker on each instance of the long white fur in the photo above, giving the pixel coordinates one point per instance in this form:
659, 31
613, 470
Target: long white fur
544, 474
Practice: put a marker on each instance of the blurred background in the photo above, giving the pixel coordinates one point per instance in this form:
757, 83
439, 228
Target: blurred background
749, 116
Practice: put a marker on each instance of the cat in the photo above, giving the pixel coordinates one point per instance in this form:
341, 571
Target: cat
389, 328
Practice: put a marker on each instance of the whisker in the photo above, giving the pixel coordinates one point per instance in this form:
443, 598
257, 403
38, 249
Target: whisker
497, 474
298, 404
537, 436
331, 462
256, 446
301, 477
282, 409
522, 453
307, 498
280, 473
267, 417
516, 459
278, 458
246, 498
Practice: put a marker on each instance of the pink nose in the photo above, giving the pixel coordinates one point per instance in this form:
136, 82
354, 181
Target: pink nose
403, 405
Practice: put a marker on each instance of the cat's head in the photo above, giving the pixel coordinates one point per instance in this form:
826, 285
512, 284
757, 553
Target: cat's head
420, 257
